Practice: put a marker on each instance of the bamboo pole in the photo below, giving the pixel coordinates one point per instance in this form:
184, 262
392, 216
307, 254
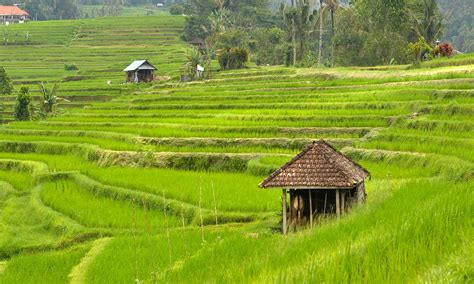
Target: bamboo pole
338, 206
310, 209
283, 201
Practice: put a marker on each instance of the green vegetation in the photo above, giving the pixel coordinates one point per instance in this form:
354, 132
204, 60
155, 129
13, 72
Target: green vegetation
46, 267
159, 182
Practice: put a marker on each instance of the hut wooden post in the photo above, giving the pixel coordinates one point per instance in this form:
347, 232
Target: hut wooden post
283, 200
343, 202
338, 206
310, 210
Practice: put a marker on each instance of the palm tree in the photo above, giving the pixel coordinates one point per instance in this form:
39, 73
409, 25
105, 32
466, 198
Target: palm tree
298, 20
289, 15
304, 20
325, 6
193, 59
321, 21
430, 25
49, 97
219, 17
332, 5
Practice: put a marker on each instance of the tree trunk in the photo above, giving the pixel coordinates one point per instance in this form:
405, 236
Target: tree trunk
320, 32
332, 38
294, 41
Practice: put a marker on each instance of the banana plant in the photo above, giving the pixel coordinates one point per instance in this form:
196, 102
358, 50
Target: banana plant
50, 99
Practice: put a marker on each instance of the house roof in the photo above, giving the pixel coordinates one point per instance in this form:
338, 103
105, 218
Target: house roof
197, 40
12, 10
318, 166
139, 65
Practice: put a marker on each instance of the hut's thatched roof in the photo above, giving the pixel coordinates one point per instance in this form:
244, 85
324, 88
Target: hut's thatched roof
319, 166
197, 40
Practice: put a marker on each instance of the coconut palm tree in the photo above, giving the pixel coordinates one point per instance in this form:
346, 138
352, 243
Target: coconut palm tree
298, 20
220, 17
325, 7
289, 14
430, 25
322, 10
332, 5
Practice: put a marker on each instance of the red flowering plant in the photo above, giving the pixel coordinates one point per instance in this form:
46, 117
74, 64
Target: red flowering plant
445, 49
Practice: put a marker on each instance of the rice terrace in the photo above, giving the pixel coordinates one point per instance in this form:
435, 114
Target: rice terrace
106, 177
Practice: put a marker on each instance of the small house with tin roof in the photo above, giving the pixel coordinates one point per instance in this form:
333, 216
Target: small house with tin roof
140, 71
12, 14
320, 181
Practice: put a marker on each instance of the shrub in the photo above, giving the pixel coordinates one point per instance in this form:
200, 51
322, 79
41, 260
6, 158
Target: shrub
22, 105
70, 67
419, 51
5, 83
177, 9
445, 49
234, 58
270, 46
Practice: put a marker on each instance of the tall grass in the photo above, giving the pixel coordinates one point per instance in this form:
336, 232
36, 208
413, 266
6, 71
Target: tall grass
19, 180
94, 211
145, 259
42, 268
391, 241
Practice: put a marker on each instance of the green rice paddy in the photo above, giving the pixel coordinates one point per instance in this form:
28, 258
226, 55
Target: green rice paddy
159, 182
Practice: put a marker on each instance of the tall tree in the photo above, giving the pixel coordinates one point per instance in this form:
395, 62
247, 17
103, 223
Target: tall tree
321, 30
219, 18
298, 20
429, 23
332, 5
22, 106
6, 86
289, 14
386, 26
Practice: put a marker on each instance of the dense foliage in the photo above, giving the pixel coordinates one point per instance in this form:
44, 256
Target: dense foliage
49, 10
6, 86
233, 58
21, 111
445, 49
377, 32
459, 19
318, 33
419, 51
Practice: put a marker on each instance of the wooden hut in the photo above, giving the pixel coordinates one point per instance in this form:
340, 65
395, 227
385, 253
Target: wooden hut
198, 43
140, 71
320, 180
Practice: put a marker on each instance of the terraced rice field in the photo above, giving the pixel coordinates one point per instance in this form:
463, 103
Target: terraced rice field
158, 183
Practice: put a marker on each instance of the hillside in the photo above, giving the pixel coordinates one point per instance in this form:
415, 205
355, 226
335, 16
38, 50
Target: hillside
458, 21
159, 183
100, 49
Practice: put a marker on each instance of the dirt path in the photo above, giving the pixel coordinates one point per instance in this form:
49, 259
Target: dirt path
78, 272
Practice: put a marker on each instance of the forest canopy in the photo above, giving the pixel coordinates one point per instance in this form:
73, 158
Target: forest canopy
322, 32
302, 32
